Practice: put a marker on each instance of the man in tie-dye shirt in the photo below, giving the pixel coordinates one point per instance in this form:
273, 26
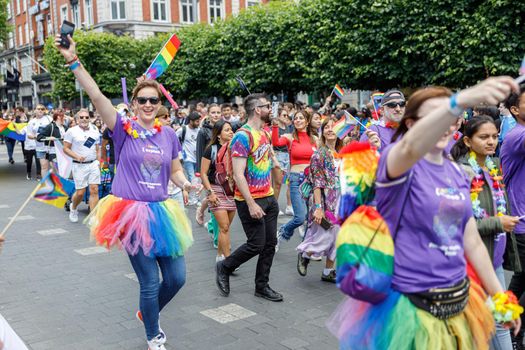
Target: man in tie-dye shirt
256, 205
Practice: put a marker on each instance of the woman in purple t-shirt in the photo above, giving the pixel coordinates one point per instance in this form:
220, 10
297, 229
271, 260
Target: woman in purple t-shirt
425, 200
138, 215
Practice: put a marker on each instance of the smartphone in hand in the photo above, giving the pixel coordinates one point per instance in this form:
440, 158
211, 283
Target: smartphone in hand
66, 29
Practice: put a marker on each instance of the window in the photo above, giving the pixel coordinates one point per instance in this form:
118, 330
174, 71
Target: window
26, 31
17, 3
63, 14
75, 13
88, 9
187, 11
49, 25
10, 40
215, 10
27, 69
252, 3
159, 10
9, 10
20, 37
24, 2
40, 32
118, 9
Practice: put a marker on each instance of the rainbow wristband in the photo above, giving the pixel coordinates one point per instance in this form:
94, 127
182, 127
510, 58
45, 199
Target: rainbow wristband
504, 307
74, 65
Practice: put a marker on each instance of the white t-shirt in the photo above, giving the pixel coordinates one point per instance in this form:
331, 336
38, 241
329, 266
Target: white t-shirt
189, 147
32, 129
83, 142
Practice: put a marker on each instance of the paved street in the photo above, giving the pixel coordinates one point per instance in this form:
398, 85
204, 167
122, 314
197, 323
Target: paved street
59, 291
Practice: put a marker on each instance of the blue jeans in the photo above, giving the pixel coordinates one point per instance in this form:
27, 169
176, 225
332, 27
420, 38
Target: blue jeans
189, 169
10, 144
501, 340
298, 204
153, 294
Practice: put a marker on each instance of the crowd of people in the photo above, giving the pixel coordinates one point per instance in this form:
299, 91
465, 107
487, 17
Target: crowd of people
449, 186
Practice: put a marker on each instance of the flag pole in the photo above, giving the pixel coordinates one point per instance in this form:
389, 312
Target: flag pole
31, 195
357, 120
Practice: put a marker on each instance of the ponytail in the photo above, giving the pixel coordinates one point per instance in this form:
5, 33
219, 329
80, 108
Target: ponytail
459, 149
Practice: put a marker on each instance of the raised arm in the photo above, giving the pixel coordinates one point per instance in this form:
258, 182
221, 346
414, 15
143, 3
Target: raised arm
423, 135
279, 141
101, 102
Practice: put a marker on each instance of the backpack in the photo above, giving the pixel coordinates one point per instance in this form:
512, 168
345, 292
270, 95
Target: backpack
182, 135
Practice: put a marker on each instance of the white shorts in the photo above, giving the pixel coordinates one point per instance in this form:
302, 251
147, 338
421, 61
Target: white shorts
86, 174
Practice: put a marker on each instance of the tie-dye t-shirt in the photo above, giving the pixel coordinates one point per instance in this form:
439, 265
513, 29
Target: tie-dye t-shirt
256, 149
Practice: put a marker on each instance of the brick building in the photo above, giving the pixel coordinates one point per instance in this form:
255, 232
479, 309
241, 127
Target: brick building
34, 20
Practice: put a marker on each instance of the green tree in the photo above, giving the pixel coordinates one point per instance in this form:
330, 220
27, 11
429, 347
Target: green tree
5, 27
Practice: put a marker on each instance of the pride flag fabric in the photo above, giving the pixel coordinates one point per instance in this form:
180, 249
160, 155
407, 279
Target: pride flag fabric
338, 91
163, 58
344, 125
13, 130
54, 190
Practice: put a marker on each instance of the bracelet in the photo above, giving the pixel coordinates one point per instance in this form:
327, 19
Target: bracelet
504, 307
73, 60
318, 206
75, 65
453, 107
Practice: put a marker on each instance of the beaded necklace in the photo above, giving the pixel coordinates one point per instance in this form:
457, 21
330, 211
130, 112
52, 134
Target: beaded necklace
477, 187
128, 128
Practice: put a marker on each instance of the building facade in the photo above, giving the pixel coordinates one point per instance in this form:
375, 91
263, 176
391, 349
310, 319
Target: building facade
35, 20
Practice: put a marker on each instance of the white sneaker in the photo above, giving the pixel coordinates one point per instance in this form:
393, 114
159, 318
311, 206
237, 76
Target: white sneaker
157, 343
73, 215
162, 335
289, 210
281, 213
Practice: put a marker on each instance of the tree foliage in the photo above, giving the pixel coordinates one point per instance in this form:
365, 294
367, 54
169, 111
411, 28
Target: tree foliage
5, 27
310, 45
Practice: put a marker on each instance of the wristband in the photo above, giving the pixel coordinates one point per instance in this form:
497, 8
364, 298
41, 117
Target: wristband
504, 307
318, 206
73, 60
453, 106
75, 65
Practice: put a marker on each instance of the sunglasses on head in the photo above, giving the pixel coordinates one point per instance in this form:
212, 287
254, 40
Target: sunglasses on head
395, 104
144, 100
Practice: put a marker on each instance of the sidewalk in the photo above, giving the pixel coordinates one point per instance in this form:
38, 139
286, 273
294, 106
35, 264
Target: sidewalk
59, 291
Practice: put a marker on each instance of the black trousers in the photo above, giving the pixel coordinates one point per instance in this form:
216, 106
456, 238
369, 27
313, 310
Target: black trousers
261, 237
517, 283
30, 154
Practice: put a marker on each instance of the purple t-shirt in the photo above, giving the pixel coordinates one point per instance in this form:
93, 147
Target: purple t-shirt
143, 165
452, 142
385, 134
429, 241
513, 166
500, 240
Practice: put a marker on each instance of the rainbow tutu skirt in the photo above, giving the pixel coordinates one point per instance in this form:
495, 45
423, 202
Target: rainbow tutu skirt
157, 228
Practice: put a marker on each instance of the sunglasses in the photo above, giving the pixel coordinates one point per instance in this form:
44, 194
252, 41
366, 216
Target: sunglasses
144, 100
267, 105
164, 116
83, 117
395, 104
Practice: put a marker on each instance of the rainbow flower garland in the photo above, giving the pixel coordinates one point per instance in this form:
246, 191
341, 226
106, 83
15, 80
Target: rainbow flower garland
477, 186
504, 307
128, 128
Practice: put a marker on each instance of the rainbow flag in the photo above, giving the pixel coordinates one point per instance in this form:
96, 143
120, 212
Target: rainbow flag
344, 125
163, 58
13, 130
338, 91
54, 190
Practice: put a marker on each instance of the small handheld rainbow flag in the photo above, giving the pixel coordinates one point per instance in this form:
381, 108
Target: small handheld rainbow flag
338, 91
344, 125
54, 190
163, 58
12, 130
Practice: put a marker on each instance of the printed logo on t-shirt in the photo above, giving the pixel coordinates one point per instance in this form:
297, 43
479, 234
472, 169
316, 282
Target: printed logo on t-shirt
151, 166
448, 221
259, 153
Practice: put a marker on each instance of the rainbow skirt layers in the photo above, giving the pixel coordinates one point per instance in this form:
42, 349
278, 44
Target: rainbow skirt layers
158, 228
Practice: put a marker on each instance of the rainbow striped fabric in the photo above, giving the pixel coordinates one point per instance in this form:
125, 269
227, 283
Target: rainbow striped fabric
338, 91
365, 256
344, 125
163, 58
13, 130
54, 190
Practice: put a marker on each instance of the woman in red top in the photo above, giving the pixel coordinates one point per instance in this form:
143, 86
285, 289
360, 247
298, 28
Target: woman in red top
301, 145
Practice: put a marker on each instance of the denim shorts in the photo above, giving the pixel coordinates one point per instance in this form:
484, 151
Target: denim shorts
284, 160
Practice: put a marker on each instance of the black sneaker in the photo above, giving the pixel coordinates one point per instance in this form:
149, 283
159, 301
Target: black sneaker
11, 161
28, 177
302, 264
268, 294
329, 278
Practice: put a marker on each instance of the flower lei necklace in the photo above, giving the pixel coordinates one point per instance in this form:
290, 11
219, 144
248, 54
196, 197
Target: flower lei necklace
128, 128
477, 187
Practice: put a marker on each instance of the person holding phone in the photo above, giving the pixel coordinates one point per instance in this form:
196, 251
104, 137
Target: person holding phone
81, 143
139, 216
320, 237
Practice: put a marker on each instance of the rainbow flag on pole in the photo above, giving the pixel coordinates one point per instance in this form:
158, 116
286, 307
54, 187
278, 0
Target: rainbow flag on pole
54, 190
13, 130
344, 125
163, 58
338, 91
